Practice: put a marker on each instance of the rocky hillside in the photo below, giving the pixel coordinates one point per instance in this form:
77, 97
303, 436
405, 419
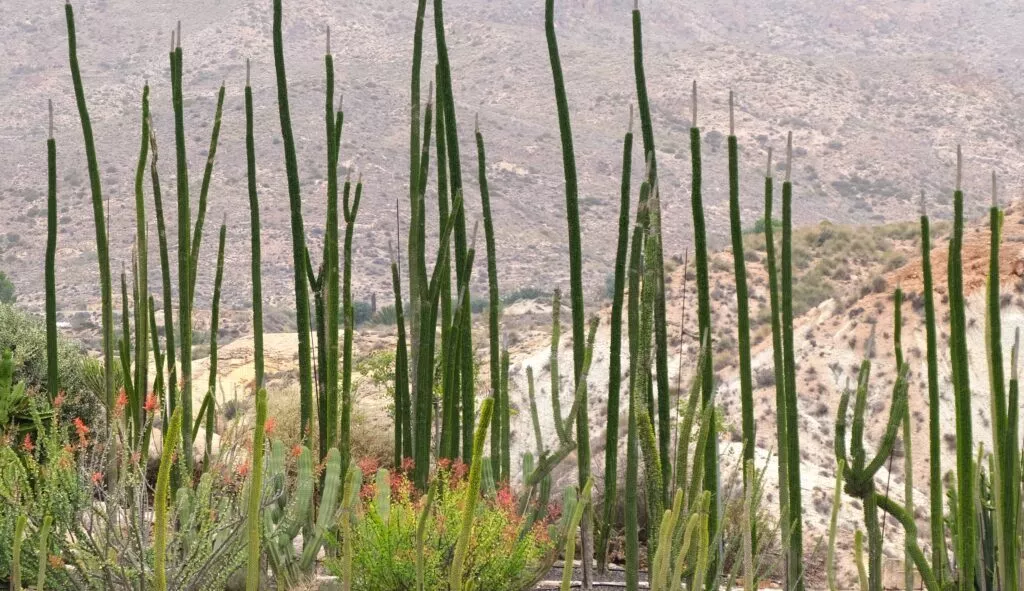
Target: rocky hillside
847, 78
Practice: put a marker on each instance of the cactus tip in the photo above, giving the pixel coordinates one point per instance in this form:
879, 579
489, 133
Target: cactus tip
430, 94
694, 106
328, 39
248, 70
630, 128
472, 243
995, 190
789, 156
768, 170
650, 165
476, 123
179, 35
959, 167
50, 103
924, 204
732, 119
359, 179
636, 5
1015, 353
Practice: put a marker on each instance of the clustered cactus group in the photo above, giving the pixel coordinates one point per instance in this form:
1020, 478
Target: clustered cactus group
682, 500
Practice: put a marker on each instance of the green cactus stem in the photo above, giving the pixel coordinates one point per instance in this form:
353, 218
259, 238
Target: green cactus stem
169, 403
253, 569
52, 373
254, 225
472, 494
160, 520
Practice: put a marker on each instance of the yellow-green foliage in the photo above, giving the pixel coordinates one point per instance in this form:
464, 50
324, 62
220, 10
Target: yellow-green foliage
498, 559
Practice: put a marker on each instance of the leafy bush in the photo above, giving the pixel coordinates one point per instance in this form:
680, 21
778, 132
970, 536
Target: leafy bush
7, 295
498, 557
25, 337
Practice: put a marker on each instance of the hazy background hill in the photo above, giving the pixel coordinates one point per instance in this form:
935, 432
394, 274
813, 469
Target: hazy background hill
877, 94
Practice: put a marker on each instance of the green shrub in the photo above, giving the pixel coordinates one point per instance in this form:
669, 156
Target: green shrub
6, 290
498, 558
25, 336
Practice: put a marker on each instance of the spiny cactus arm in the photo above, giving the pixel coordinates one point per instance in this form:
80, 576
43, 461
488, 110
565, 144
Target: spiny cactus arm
252, 571
165, 273
858, 553
254, 225
494, 309
686, 428
218, 283
892, 428
556, 379
403, 436
660, 568
125, 347
52, 372
328, 413
197, 230
534, 416
506, 454
579, 398
840, 438
472, 494
694, 524
416, 243
704, 433
19, 537
160, 519
326, 516
907, 521
298, 232
158, 361
351, 208
349, 507
99, 220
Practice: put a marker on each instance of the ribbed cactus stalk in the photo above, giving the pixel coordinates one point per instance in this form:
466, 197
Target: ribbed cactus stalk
575, 276
254, 225
833, 523
403, 433
660, 320
935, 496
211, 392
582, 500
102, 252
253, 570
503, 422
534, 416
349, 506
795, 510
204, 191
858, 557
184, 247
908, 457
160, 517
416, 244
742, 303
42, 552
19, 538
350, 210
704, 315
556, 378
298, 233
472, 494
52, 373
494, 301
141, 268
328, 411
611, 452
170, 401
965, 525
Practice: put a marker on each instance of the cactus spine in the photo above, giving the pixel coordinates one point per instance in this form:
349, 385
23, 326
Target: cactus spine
52, 374
472, 494
253, 570
102, 253
298, 233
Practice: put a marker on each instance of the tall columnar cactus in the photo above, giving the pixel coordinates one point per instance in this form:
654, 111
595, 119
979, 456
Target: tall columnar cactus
254, 225
170, 401
328, 411
908, 457
204, 191
742, 304
660, 320
253, 570
211, 392
160, 518
52, 374
494, 302
582, 500
780, 378
416, 261
611, 453
704, 315
298, 232
833, 522
795, 511
102, 252
184, 247
575, 275
965, 514
141, 270
472, 494
935, 496
556, 378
